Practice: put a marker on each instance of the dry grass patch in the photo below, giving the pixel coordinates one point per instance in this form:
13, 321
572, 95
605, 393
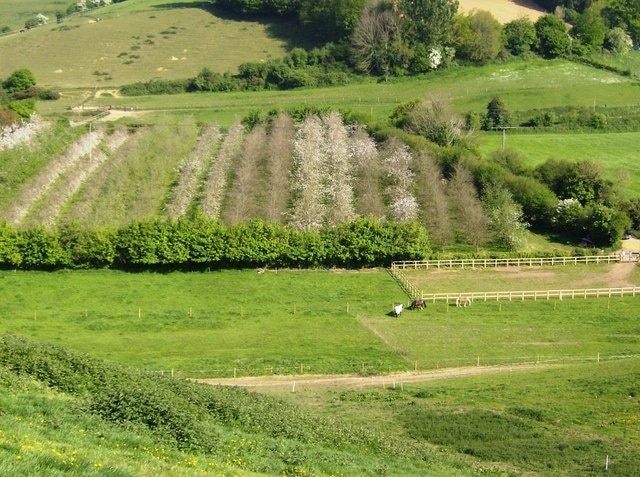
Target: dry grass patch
504, 10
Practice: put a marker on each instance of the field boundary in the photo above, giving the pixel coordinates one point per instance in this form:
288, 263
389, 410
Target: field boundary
626, 256
366, 375
397, 268
534, 294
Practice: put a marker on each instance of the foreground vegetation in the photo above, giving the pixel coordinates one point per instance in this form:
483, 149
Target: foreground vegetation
66, 413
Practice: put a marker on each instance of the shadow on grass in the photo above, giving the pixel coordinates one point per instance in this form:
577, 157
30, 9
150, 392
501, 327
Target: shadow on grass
282, 28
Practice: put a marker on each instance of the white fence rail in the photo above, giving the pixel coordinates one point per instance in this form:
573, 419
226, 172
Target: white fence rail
515, 262
397, 269
534, 294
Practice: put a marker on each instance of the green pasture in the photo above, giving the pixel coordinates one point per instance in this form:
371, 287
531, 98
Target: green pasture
523, 86
14, 13
289, 322
139, 42
208, 323
616, 152
549, 421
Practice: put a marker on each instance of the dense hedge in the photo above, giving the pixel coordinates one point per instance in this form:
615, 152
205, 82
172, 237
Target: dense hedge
201, 243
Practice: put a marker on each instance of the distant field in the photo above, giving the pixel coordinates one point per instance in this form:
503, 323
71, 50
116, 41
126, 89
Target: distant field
138, 42
616, 152
504, 10
14, 13
523, 85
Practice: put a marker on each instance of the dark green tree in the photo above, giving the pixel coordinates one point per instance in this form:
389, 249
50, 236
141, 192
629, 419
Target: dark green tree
553, 39
589, 28
427, 22
331, 20
497, 114
626, 15
19, 80
477, 36
519, 36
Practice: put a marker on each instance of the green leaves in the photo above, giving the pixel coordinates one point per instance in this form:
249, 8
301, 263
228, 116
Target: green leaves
202, 242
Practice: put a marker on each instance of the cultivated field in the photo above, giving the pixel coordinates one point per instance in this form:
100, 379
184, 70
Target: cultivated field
504, 10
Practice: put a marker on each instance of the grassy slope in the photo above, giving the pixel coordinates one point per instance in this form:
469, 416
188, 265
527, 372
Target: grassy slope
546, 422
138, 41
524, 85
617, 152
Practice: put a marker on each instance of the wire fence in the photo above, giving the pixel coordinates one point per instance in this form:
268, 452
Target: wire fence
364, 370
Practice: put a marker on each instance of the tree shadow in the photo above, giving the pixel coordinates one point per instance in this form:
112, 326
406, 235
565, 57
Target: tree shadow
287, 30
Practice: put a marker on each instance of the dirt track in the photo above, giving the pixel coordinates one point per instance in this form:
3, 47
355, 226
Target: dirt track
361, 381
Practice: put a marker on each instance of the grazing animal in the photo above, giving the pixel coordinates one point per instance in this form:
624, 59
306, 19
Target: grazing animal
463, 300
397, 309
417, 304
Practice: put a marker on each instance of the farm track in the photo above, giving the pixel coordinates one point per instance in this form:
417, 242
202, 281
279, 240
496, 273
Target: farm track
362, 381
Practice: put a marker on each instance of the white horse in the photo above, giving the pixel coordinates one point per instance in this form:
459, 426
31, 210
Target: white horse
397, 309
463, 300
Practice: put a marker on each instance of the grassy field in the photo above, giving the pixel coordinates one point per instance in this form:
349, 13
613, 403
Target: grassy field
547, 422
139, 41
616, 152
522, 85
289, 322
284, 322
16, 12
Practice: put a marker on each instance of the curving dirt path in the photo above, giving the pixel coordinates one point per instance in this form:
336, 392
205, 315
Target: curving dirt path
361, 381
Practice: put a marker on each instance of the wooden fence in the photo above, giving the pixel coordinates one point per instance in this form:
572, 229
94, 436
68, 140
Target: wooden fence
514, 262
397, 269
533, 294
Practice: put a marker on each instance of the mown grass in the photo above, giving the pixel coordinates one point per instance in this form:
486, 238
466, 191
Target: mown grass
616, 152
578, 276
139, 41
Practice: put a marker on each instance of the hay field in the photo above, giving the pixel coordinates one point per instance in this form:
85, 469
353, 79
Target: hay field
504, 10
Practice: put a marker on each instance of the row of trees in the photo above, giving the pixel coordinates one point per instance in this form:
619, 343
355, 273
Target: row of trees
200, 243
